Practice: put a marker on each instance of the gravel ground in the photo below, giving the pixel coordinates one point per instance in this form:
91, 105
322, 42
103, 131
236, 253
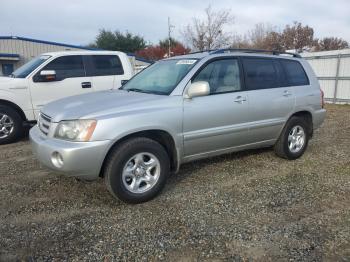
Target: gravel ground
245, 206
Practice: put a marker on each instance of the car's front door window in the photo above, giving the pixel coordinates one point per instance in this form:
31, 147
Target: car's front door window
222, 76
67, 67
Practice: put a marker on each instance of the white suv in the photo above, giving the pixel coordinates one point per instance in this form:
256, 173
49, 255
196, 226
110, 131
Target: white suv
52, 76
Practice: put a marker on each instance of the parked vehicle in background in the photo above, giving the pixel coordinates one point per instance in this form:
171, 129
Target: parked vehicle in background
52, 76
178, 110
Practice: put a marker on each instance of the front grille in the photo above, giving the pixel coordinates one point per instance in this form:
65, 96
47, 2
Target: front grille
44, 123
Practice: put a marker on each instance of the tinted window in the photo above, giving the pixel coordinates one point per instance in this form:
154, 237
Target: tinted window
295, 73
261, 73
67, 66
104, 65
222, 76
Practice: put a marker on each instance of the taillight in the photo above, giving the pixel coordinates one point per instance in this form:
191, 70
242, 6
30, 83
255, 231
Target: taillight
322, 98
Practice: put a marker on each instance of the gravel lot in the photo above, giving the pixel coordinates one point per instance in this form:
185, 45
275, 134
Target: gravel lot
246, 206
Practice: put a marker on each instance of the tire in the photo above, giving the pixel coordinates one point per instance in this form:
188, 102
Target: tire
289, 146
131, 162
11, 125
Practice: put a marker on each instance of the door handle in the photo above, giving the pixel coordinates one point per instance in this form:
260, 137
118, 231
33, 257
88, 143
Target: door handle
240, 99
86, 84
286, 93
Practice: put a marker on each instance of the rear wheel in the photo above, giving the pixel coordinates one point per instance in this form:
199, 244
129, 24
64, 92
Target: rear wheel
137, 170
11, 125
294, 138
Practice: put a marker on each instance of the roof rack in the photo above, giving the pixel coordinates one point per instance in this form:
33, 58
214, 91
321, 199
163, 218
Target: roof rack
273, 52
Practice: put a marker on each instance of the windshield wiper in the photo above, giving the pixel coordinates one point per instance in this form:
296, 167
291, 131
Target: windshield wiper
146, 91
135, 90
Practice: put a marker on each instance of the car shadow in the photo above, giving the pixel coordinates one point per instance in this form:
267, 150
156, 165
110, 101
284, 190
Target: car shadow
188, 169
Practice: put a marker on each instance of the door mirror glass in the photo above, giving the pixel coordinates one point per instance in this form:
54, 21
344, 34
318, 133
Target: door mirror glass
46, 76
200, 88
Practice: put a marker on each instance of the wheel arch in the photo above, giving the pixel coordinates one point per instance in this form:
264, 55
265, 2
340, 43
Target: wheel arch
13, 106
305, 114
162, 137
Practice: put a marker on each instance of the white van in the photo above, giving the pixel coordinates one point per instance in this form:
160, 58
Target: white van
52, 76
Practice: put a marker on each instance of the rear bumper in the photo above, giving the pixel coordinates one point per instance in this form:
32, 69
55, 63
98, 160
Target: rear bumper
318, 117
79, 159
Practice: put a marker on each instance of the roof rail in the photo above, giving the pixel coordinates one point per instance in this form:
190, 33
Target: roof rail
273, 52
203, 51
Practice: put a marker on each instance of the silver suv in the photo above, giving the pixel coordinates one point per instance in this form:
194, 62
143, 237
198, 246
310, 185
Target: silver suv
178, 110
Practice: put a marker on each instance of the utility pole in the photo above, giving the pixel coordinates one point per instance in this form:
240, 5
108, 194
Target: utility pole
170, 26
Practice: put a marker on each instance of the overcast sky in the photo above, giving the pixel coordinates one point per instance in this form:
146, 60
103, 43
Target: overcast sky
78, 22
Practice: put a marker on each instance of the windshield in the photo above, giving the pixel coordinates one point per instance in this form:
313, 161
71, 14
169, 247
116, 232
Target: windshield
160, 78
27, 68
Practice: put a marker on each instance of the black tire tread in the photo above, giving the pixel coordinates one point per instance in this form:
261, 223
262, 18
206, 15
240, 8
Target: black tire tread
117, 153
19, 129
279, 146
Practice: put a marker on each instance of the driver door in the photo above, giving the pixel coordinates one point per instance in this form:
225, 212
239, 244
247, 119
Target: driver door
218, 121
70, 79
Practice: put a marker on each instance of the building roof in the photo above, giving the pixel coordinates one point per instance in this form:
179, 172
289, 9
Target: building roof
44, 42
65, 45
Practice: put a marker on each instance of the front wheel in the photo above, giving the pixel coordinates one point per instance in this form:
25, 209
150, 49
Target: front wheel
11, 125
137, 170
294, 138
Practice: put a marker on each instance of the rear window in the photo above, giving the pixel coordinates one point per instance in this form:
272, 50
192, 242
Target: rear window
261, 73
295, 73
103, 65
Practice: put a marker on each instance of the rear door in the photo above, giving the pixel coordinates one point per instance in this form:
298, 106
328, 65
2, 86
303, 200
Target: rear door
271, 100
106, 71
70, 80
218, 121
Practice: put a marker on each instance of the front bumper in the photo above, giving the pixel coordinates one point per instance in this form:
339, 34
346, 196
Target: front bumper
80, 159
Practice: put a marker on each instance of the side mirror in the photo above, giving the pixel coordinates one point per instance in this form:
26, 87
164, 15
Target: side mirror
123, 82
48, 75
200, 88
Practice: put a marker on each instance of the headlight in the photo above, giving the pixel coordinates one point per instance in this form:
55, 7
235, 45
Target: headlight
75, 130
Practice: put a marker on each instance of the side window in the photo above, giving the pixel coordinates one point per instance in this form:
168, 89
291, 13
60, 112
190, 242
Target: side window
67, 67
105, 65
295, 73
222, 75
261, 73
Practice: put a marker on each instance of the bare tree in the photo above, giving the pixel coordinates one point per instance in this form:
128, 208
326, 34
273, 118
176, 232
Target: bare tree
331, 43
209, 33
262, 36
257, 36
298, 37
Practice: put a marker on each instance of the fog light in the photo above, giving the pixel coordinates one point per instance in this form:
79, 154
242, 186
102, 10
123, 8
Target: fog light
57, 159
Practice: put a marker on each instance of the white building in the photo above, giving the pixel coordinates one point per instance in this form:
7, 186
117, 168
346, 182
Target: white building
333, 71
16, 51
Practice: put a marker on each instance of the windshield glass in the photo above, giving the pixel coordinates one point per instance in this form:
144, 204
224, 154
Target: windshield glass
160, 78
27, 68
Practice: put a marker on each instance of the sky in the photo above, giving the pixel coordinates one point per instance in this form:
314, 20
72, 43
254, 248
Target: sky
78, 22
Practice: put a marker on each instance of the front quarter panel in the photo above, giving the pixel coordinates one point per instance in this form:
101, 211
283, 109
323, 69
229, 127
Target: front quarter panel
165, 116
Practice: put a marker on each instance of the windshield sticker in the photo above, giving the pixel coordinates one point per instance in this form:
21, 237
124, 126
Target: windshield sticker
186, 62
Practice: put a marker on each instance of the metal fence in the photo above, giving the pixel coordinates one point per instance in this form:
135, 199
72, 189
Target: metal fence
333, 72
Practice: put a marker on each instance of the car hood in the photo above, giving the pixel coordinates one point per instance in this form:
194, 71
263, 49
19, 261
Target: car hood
10, 82
99, 104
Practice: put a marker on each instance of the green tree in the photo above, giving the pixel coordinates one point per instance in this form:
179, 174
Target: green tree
118, 41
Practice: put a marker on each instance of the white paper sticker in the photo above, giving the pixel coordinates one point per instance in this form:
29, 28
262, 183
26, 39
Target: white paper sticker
186, 62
